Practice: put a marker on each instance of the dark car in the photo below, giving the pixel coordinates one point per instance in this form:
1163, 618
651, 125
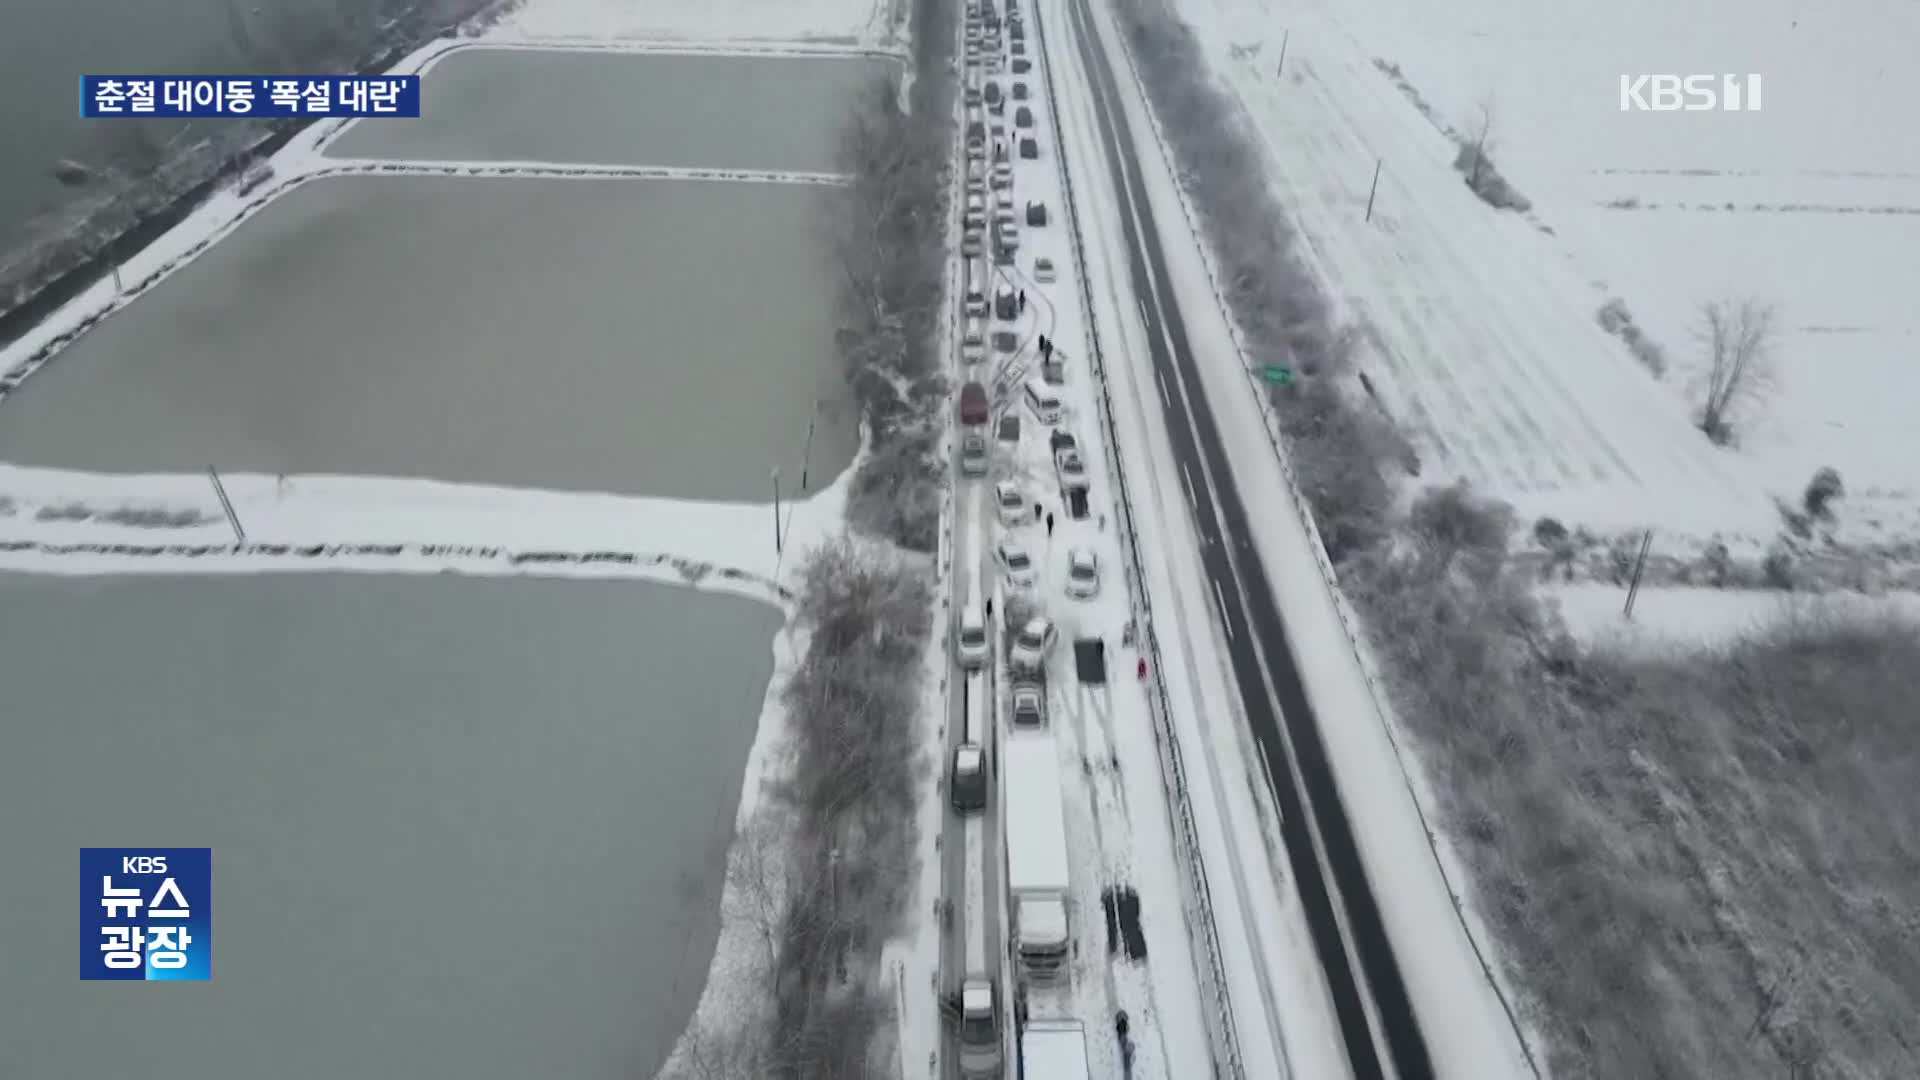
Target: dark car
1023, 117
1019, 90
1029, 148
1022, 65
974, 406
1036, 214
1060, 440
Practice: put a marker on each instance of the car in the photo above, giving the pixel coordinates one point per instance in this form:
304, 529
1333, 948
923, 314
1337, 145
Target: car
971, 242
1029, 705
1003, 201
1019, 47
1061, 439
1083, 573
1015, 564
1036, 213
1043, 271
1030, 149
1002, 174
1023, 117
1007, 498
1031, 645
970, 646
1021, 65
973, 454
1006, 341
1072, 470
1010, 432
1019, 90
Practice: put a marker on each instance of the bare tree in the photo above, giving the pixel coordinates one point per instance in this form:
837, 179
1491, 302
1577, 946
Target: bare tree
1740, 337
1484, 115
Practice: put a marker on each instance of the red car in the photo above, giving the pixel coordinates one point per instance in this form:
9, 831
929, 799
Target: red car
974, 406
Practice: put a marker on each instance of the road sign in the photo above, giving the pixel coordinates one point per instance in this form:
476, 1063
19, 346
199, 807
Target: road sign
1277, 375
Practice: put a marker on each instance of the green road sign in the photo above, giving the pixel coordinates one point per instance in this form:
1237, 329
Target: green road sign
1277, 375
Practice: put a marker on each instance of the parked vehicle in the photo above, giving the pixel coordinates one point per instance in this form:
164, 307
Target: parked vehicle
1015, 565
1071, 470
1083, 573
1043, 401
974, 406
1043, 271
1021, 65
1002, 173
1061, 439
1029, 705
1019, 90
1006, 304
1036, 214
976, 295
1031, 644
973, 454
1010, 432
1007, 498
992, 93
973, 341
1030, 149
1037, 867
970, 647
977, 177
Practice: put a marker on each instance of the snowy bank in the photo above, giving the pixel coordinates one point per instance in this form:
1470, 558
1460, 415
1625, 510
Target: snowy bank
1692, 618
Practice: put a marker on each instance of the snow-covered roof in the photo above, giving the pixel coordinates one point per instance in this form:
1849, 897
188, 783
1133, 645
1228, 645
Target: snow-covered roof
1054, 1050
1036, 824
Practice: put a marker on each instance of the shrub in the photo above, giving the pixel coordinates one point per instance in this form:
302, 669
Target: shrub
1821, 491
1777, 568
1718, 564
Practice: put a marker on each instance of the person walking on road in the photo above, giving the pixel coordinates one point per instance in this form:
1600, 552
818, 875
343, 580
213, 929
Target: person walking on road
1049, 526
989, 609
1023, 300
1141, 669
1037, 512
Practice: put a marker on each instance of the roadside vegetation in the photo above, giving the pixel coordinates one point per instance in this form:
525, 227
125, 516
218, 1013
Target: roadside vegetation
889, 236
1692, 865
825, 873
132, 182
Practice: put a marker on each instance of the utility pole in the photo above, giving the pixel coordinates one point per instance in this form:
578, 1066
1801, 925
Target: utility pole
1480, 146
806, 455
1281, 68
778, 548
1639, 567
1375, 189
226, 504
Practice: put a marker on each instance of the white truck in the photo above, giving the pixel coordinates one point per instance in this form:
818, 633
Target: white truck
1054, 1050
979, 1006
1037, 879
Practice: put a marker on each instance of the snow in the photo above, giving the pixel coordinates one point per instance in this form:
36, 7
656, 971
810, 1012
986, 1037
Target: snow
1279, 1001
864, 20
1055, 1051
1485, 337
1459, 1002
397, 524
1036, 827
1669, 619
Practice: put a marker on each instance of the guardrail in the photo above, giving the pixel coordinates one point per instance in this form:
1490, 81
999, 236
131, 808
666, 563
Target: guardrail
1220, 1024
1349, 622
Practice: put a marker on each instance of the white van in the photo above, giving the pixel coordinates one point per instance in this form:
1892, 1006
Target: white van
970, 643
977, 288
1044, 403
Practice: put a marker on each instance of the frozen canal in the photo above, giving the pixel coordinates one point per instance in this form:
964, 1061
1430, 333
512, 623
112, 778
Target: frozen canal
634, 336
716, 112
461, 827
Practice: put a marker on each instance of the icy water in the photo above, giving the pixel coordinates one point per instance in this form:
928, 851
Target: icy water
460, 827
644, 337
624, 109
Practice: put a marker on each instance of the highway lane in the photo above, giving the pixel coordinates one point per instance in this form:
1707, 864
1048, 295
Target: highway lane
1349, 937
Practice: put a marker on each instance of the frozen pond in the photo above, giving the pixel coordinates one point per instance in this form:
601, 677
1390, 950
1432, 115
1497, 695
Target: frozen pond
635, 336
461, 827
624, 109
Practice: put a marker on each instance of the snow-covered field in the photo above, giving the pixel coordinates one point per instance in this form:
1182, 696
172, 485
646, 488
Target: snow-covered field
1665, 619
1482, 331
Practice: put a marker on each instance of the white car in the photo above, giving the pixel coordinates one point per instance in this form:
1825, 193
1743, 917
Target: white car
1043, 271
1031, 646
970, 643
1010, 502
1083, 573
1016, 564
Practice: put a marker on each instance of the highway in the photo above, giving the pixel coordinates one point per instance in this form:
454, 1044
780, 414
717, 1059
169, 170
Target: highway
1378, 1027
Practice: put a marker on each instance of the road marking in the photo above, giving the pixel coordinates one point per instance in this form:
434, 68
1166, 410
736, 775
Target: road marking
1220, 599
1186, 481
1161, 378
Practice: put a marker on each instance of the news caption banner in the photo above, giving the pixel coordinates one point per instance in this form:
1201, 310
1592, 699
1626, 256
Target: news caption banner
146, 914
313, 97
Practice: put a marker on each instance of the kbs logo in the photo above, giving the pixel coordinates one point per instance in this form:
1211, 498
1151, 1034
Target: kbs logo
146, 914
1689, 93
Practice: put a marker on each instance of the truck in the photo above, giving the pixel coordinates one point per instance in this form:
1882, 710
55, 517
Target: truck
1054, 1050
1037, 878
979, 1006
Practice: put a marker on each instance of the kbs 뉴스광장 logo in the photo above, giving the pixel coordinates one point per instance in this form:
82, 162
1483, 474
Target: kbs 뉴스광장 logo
146, 914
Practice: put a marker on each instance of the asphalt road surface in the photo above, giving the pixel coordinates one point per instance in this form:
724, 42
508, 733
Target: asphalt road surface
1334, 891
